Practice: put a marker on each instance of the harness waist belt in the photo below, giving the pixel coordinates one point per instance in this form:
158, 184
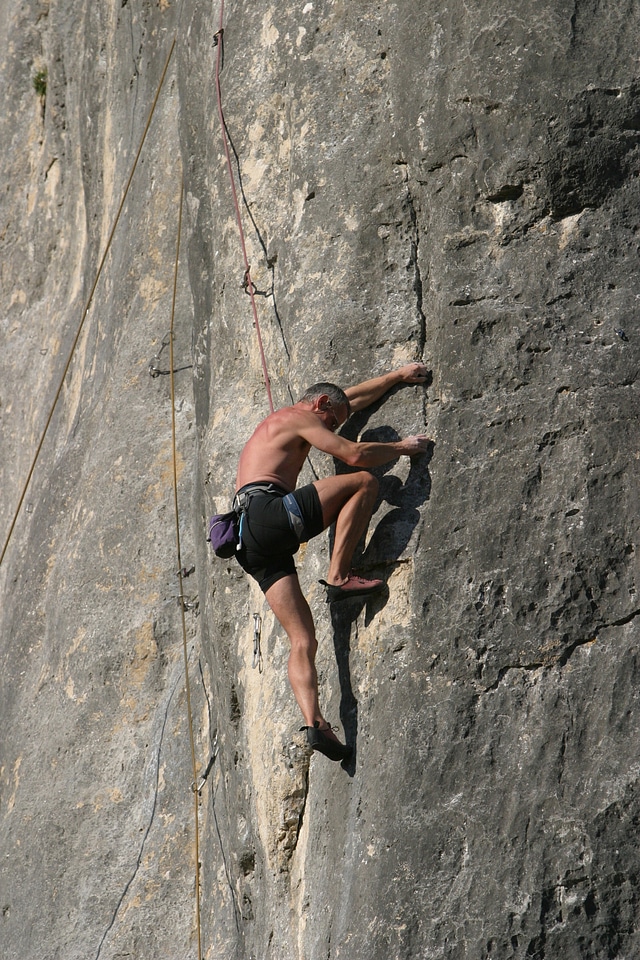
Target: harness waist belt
294, 513
243, 495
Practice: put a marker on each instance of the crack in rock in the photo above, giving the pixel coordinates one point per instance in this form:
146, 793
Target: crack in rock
561, 659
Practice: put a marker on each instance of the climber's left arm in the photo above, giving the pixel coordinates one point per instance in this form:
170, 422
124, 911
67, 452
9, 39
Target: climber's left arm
366, 393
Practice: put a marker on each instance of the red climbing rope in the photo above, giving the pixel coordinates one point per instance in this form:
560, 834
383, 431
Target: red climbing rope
247, 268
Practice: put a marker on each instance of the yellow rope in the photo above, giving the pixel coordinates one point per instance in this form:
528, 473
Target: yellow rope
86, 309
181, 597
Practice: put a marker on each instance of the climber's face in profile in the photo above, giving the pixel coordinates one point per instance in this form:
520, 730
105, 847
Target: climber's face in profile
334, 415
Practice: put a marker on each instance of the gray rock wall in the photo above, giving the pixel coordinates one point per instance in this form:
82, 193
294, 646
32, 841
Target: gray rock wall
458, 185
95, 802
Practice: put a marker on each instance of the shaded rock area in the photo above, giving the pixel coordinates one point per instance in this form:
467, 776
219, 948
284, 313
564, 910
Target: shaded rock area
457, 184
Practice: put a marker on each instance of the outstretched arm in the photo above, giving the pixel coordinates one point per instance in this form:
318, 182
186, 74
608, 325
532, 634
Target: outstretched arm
361, 454
364, 394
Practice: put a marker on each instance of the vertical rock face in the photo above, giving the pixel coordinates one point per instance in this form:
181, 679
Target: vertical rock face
95, 805
454, 184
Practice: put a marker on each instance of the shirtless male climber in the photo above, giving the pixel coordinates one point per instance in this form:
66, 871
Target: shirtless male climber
277, 517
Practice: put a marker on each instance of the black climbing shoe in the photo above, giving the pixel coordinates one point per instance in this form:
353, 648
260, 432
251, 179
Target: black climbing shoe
353, 587
318, 740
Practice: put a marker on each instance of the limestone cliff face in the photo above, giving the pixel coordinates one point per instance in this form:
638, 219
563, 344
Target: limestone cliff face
457, 184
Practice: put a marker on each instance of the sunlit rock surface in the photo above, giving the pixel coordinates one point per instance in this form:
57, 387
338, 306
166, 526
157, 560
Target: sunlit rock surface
457, 185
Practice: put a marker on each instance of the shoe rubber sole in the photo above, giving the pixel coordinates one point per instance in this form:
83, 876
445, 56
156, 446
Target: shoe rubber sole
322, 744
336, 594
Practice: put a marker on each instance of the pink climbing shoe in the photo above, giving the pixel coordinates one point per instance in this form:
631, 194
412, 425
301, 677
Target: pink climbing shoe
352, 587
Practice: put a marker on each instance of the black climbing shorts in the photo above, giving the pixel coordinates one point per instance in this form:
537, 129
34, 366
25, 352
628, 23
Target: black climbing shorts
269, 539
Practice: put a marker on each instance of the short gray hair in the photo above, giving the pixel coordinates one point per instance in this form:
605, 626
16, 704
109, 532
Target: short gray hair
336, 395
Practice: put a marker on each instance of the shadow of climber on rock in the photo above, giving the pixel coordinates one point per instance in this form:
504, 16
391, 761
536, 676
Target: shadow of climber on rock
388, 541
393, 532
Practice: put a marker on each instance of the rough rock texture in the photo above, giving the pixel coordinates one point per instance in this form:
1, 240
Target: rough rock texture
457, 184
95, 805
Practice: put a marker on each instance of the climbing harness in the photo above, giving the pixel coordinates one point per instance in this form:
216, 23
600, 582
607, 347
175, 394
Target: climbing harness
248, 284
240, 506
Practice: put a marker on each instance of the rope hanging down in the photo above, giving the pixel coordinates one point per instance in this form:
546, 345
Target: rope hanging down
180, 573
67, 366
86, 308
218, 39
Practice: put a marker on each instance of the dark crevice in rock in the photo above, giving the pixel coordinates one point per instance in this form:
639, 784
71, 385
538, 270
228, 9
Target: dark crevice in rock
415, 264
557, 910
568, 431
488, 106
560, 297
213, 735
563, 658
235, 711
623, 621
468, 300
570, 207
524, 667
207, 698
508, 192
